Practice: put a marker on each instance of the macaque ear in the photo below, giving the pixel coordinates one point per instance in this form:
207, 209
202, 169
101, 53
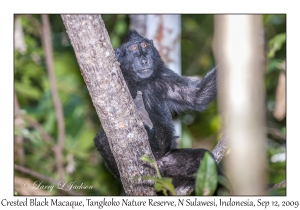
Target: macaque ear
118, 54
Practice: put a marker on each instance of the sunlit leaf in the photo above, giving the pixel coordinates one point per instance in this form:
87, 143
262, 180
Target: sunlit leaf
275, 44
147, 159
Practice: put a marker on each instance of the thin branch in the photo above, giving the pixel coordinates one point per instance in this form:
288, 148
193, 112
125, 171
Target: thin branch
19, 139
35, 22
276, 133
66, 188
47, 46
221, 148
38, 127
279, 185
35, 174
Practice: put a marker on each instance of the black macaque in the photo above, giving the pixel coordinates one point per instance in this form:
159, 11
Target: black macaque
164, 93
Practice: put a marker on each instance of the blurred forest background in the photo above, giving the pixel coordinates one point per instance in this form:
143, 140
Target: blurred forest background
36, 131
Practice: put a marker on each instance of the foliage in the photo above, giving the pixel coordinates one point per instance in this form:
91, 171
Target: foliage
163, 184
207, 176
81, 160
275, 44
275, 35
32, 87
278, 192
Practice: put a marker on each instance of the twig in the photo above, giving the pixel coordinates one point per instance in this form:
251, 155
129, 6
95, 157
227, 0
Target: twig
35, 174
279, 185
38, 127
221, 148
276, 133
19, 139
34, 22
47, 46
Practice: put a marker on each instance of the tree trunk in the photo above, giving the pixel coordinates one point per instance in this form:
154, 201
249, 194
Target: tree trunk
165, 31
238, 48
126, 134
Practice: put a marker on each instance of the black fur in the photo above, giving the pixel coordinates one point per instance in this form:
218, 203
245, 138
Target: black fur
164, 93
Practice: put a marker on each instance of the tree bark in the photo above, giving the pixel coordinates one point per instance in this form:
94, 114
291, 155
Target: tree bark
111, 98
221, 148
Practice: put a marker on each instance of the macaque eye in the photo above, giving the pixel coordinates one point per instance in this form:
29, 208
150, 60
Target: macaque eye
144, 45
133, 47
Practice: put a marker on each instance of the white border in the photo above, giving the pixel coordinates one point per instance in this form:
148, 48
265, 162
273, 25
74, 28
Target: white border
154, 6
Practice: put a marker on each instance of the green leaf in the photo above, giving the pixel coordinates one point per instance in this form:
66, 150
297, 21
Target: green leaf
168, 185
27, 90
226, 189
162, 184
278, 192
207, 177
147, 159
273, 65
165, 185
158, 187
153, 162
275, 44
150, 178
